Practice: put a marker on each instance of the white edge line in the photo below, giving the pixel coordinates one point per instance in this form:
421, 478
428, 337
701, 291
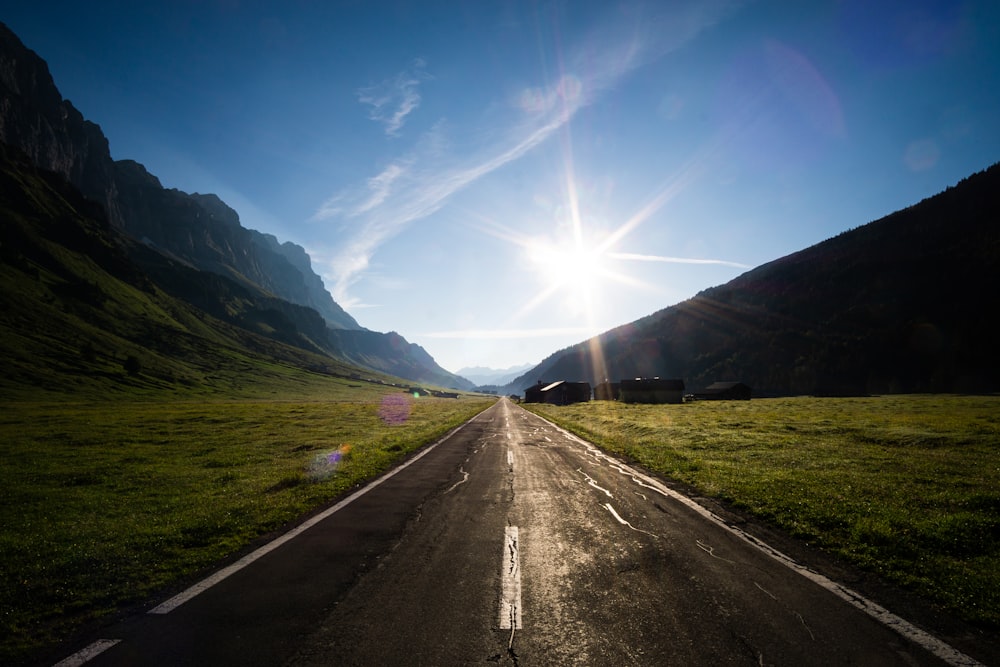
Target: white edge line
922, 638
211, 580
84, 655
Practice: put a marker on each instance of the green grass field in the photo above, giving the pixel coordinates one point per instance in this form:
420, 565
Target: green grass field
904, 486
104, 503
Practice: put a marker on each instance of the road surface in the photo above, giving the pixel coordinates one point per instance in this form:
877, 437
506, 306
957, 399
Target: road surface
512, 542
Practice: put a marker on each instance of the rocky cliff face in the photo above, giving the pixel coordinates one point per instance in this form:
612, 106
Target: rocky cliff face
273, 282
200, 230
312, 291
35, 118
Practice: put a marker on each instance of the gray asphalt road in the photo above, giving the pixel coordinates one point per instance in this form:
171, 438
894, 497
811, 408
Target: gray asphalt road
512, 542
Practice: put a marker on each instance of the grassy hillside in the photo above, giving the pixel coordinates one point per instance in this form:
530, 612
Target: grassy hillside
78, 317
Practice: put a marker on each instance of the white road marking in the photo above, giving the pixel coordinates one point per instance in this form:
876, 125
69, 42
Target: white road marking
510, 595
510, 458
213, 579
929, 642
83, 656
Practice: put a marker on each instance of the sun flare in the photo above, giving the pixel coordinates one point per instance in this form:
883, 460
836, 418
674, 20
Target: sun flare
562, 264
570, 269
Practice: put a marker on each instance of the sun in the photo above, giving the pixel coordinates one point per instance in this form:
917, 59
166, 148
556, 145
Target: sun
570, 268
563, 264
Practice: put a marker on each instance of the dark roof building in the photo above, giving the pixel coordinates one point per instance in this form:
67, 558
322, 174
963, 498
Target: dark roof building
652, 390
533, 394
725, 391
560, 392
564, 393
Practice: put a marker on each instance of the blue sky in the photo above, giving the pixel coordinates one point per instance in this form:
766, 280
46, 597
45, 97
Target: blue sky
499, 180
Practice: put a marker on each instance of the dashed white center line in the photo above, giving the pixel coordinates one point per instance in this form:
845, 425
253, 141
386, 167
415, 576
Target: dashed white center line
83, 656
510, 458
510, 595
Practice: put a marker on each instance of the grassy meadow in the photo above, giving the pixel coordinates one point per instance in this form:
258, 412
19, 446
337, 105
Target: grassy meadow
104, 503
904, 486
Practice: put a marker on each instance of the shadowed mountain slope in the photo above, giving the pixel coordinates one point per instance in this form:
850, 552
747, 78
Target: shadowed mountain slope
78, 315
902, 304
193, 245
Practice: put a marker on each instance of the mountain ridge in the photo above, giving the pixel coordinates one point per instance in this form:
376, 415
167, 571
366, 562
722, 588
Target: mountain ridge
199, 231
198, 228
891, 306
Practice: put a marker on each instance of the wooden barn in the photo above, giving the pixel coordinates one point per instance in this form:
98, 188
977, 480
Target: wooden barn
725, 391
560, 392
652, 390
607, 391
564, 393
534, 394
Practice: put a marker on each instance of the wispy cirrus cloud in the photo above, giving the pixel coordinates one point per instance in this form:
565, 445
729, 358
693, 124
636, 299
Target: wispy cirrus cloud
394, 99
418, 183
674, 260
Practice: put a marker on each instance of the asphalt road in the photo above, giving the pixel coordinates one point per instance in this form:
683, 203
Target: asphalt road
513, 542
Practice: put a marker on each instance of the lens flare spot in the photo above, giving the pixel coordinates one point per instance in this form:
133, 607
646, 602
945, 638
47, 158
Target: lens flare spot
325, 464
395, 409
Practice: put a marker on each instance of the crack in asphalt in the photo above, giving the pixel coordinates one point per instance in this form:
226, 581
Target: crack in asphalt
592, 482
510, 602
464, 479
805, 625
769, 593
710, 550
623, 522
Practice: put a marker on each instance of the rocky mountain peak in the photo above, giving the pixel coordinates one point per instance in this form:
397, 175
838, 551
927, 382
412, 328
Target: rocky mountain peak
199, 229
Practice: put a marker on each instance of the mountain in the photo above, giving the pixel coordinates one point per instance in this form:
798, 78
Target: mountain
902, 304
78, 315
85, 309
480, 375
255, 280
199, 229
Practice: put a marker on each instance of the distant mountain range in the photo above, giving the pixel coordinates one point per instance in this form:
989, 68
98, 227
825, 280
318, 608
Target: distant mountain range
902, 304
482, 376
192, 245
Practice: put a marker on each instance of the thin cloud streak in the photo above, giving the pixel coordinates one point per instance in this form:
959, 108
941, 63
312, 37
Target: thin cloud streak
394, 99
674, 260
421, 182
